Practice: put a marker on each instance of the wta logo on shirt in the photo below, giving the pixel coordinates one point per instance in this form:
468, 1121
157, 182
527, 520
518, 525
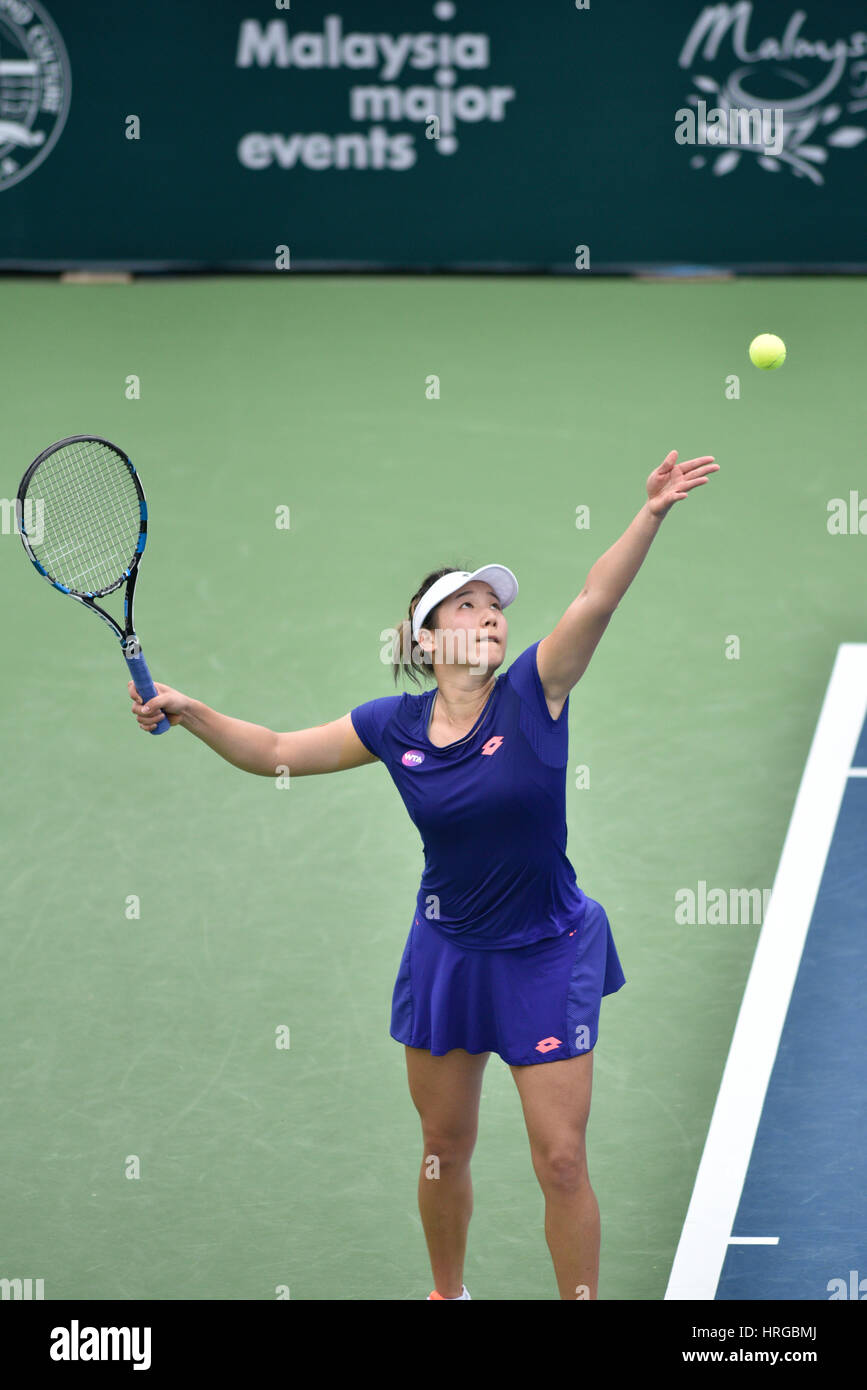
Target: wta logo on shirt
413, 757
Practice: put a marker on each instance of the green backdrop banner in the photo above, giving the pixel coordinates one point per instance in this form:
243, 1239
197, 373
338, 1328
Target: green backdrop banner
552, 135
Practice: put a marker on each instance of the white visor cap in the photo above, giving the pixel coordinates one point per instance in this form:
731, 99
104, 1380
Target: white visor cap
501, 580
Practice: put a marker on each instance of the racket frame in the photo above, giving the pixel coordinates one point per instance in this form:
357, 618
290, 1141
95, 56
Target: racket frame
129, 643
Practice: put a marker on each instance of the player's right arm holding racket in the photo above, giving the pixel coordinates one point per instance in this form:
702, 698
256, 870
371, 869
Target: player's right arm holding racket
330, 747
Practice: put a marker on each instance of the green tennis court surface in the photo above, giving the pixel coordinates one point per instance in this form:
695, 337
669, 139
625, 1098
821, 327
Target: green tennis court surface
167, 917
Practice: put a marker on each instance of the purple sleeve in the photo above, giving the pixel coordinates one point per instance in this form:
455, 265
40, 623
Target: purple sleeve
549, 737
523, 674
369, 721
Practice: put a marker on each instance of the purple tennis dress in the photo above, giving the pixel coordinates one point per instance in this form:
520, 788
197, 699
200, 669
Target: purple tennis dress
505, 953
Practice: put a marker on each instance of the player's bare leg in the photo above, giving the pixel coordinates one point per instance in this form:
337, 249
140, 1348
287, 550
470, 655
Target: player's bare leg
555, 1097
446, 1092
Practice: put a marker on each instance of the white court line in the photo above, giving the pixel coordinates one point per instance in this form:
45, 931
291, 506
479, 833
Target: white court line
754, 1240
719, 1182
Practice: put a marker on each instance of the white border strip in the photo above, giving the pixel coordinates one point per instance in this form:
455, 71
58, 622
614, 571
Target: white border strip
719, 1182
754, 1240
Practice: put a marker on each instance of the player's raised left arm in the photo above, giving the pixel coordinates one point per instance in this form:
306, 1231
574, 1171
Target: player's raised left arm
564, 655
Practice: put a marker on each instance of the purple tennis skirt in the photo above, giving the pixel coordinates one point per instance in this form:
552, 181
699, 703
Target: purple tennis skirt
529, 1004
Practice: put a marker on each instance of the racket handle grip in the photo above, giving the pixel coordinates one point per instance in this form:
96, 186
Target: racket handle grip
138, 669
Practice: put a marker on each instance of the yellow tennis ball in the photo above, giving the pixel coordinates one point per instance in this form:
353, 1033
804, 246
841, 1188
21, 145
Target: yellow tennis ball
767, 351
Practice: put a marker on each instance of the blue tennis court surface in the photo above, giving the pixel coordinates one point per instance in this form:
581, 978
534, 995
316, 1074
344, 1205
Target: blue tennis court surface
777, 1209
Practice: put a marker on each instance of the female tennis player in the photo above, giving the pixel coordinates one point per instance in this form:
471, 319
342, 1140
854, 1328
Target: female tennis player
505, 952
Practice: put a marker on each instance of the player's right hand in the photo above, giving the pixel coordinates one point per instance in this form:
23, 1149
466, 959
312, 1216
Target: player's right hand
168, 702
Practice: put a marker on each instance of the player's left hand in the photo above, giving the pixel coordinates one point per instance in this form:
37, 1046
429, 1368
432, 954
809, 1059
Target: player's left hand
671, 481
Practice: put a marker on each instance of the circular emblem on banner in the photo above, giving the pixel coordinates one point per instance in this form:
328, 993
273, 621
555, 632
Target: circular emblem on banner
35, 86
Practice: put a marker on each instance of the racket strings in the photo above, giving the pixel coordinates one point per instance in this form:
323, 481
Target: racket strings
89, 519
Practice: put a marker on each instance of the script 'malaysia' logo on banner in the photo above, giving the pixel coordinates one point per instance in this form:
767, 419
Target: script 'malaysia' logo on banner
441, 104
35, 86
788, 100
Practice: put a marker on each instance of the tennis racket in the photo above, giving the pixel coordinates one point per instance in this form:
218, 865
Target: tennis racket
82, 516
